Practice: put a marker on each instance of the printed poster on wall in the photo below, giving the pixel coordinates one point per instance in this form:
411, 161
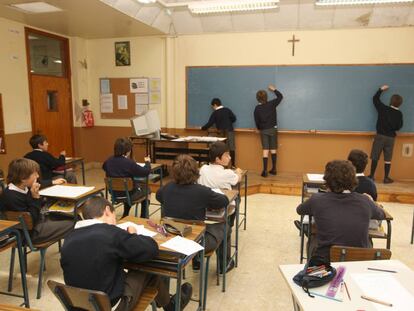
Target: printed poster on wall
138, 85
155, 84
122, 102
107, 105
155, 98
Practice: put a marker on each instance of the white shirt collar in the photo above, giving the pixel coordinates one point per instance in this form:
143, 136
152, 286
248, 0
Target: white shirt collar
217, 165
396, 108
359, 174
346, 191
87, 222
37, 149
15, 188
219, 107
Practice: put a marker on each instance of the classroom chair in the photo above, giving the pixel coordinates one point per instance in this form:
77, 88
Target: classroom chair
26, 225
347, 253
75, 298
126, 185
5, 244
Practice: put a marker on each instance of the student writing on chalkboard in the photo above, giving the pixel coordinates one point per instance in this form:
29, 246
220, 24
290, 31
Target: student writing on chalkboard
223, 118
390, 120
265, 117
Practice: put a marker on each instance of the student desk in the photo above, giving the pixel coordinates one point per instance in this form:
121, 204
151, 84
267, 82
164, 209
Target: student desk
11, 228
302, 301
170, 263
76, 160
244, 214
4, 307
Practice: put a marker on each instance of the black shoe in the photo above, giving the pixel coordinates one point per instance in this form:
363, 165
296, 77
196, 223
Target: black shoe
186, 293
273, 172
264, 174
196, 264
388, 180
230, 266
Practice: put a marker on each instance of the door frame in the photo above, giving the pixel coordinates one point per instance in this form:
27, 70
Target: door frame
67, 75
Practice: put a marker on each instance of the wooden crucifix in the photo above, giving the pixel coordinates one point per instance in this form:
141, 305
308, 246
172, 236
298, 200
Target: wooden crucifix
293, 40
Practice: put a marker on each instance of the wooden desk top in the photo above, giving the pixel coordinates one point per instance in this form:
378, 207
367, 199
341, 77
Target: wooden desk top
71, 160
89, 193
4, 307
306, 180
7, 224
230, 194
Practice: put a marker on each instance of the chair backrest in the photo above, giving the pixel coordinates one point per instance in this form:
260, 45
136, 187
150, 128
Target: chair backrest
346, 253
74, 298
119, 184
19, 216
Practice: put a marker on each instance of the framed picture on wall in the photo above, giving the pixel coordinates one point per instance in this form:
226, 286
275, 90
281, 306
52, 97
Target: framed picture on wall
122, 53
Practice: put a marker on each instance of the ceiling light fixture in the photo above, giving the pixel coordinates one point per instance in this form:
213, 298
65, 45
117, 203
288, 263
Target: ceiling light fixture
35, 7
357, 2
146, 1
207, 7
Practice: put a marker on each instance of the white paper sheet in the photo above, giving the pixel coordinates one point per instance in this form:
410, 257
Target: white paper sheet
155, 98
182, 245
141, 99
141, 230
200, 138
122, 102
107, 104
138, 85
105, 86
155, 84
315, 177
61, 191
390, 290
141, 109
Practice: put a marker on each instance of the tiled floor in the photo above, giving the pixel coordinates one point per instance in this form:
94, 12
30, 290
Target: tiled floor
270, 240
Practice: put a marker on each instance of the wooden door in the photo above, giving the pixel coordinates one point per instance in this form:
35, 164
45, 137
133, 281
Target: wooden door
50, 89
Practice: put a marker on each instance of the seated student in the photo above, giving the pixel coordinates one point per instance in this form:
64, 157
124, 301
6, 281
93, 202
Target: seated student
22, 195
120, 165
341, 216
184, 198
48, 162
93, 254
359, 160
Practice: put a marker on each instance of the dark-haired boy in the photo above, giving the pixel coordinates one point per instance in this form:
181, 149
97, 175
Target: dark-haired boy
223, 118
390, 120
93, 254
359, 160
265, 117
48, 162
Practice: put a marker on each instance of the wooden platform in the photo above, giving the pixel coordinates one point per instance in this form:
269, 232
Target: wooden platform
291, 184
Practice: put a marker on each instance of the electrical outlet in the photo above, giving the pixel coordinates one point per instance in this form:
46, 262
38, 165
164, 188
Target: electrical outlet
407, 150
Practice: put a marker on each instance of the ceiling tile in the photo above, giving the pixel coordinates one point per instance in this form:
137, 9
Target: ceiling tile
185, 23
352, 17
384, 16
410, 18
248, 21
147, 14
313, 17
284, 18
217, 23
163, 22
129, 7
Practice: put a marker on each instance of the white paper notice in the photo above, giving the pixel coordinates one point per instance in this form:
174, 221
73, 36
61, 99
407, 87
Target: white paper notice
390, 290
140, 109
141, 99
182, 245
155, 84
155, 98
122, 102
138, 85
105, 86
315, 177
107, 105
61, 191
141, 230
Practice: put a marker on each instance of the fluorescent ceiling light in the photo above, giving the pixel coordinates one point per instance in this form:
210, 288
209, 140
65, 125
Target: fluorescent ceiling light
35, 7
147, 1
358, 2
206, 7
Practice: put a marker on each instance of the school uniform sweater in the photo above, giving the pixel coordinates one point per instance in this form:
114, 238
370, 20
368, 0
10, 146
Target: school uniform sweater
12, 200
46, 161
92, 257
223, 118
121, 166
265, 115
366, 185
389, 120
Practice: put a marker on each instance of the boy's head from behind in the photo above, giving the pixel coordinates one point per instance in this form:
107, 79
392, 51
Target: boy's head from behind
23, 171
396, 100
215, 103
39, 142
340, 176
184, 170
122, 147
359, 159
219, 154
99, 208
261, 96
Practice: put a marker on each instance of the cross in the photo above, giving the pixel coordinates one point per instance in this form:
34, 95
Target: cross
293, 44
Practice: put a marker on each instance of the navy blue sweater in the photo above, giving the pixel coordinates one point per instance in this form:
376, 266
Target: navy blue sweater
265, 115
389, 119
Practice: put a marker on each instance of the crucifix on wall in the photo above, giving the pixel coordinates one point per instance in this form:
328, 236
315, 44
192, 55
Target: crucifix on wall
293, 41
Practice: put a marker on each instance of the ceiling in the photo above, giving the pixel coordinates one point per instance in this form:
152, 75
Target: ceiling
123, 18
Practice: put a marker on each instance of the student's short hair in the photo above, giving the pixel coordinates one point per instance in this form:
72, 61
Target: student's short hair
37, 140
396, 100
216, 102
94, 207
20, 169
359, 159
217, 150
261, 96
184, 170
340, 176
122, 146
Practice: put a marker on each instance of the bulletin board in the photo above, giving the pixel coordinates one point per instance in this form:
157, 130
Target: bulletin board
125, 104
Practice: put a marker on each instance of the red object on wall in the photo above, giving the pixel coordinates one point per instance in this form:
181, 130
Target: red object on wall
87, 117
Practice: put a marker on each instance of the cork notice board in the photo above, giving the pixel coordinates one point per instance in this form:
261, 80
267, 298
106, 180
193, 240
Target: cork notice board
119, 87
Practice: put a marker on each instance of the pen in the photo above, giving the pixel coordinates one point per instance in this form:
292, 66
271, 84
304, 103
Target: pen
383, 270
327, 297
376, 301
347, 291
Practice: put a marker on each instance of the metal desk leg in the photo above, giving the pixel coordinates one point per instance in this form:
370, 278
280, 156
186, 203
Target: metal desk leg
202, 276
412, 230
22, 263
178, 289
388, 234
237, 229
245, 201
224, 262
83, 172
